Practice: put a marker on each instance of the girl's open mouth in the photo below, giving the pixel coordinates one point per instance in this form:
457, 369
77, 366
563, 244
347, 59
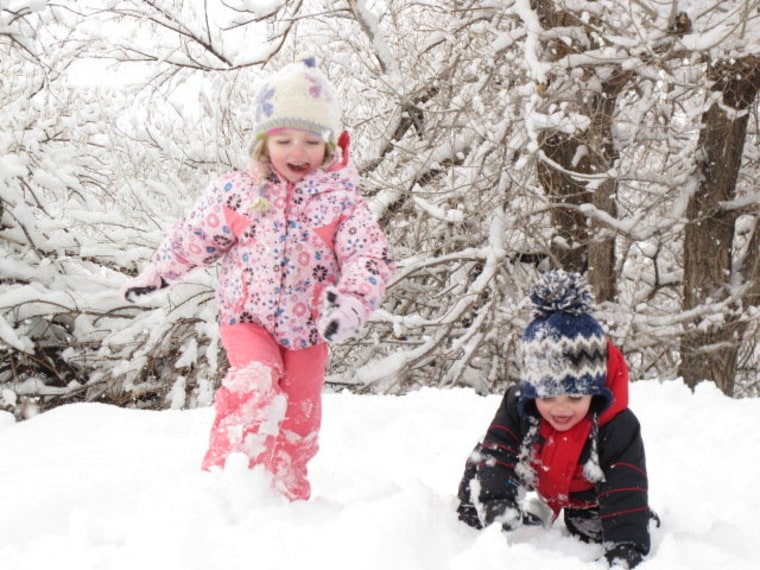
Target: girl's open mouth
300, 168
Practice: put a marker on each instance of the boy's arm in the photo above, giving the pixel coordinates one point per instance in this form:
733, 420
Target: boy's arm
623, 496
491, 486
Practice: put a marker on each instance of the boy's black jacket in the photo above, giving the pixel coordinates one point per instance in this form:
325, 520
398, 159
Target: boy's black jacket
620, 499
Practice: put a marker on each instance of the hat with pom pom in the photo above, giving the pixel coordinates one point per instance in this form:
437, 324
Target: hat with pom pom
299, 96
564, 348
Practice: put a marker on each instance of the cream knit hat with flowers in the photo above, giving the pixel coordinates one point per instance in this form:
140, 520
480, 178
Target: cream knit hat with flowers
299, 96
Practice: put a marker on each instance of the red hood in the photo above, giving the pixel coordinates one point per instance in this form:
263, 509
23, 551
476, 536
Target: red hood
344, 142
617, 382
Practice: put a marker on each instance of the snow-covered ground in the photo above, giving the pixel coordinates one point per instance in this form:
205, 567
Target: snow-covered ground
90, 486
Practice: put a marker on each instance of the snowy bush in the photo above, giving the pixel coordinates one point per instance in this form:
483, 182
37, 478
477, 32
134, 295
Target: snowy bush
494, 140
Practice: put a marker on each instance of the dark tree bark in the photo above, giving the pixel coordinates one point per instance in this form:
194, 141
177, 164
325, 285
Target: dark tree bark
575, 172
708, 351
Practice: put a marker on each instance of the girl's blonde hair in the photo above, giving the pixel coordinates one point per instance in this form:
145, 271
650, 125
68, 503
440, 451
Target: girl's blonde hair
260, 155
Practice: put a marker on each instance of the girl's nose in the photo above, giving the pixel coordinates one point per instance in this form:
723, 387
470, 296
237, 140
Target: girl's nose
299, 149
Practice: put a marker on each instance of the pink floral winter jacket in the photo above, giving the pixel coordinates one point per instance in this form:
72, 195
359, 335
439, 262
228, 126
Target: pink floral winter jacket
280, 245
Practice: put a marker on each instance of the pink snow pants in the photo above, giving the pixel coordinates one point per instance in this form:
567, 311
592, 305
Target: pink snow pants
269, 407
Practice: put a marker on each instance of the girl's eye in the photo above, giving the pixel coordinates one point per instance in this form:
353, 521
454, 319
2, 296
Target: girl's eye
576, 398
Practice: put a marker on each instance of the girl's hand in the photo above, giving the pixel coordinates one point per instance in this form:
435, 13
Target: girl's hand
342, 318
146, 282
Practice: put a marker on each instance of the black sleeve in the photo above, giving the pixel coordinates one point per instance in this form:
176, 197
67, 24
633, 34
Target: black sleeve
490, 485
623, 496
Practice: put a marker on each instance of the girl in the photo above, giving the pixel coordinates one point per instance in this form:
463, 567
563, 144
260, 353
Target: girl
303, 261
566, 432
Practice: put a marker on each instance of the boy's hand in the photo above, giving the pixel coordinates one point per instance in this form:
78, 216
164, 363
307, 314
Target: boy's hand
529, 519
342, 317
502, 511
146, 282
623, 557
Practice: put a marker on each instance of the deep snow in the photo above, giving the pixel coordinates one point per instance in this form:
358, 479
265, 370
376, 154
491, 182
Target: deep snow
90, 486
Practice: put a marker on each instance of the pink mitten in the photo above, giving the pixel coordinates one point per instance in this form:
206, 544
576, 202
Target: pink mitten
343, 316
146, 282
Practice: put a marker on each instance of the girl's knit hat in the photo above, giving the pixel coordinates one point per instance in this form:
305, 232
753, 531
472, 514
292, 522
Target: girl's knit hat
299, 96
564, 348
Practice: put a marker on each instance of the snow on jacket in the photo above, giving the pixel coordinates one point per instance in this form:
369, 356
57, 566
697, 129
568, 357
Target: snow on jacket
280, 244
617, 495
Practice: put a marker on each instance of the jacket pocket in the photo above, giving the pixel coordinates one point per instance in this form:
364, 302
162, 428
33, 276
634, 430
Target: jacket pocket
327, 233
236, 222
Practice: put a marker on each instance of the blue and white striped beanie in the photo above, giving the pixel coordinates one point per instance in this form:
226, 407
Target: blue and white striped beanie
564, 348
299, 96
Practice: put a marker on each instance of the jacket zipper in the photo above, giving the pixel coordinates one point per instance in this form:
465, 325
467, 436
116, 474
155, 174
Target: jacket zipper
288, 200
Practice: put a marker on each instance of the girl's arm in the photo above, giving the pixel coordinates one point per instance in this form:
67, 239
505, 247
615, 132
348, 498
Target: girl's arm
199, 238
364, 255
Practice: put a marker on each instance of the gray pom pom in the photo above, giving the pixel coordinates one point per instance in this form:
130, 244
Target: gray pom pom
561, 291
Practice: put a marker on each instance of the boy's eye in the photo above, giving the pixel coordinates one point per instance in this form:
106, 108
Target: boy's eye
575, 398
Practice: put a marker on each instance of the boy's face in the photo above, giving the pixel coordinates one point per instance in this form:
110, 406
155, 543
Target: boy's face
295, 153
565, 411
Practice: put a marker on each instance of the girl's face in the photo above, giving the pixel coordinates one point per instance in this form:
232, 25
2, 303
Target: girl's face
565, 411
295, 153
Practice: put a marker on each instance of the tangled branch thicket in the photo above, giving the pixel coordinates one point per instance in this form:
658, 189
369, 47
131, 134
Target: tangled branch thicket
453, 109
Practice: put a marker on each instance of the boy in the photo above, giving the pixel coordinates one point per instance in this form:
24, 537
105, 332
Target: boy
565, 432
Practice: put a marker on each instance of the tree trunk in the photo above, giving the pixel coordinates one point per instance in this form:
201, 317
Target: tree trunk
575, 172
709, 351
580, 245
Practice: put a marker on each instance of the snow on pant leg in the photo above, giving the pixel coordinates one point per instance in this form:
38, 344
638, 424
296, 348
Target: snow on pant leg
297, 443
249, 404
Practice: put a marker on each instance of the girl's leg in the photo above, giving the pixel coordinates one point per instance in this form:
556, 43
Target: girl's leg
249, 404
297, 442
